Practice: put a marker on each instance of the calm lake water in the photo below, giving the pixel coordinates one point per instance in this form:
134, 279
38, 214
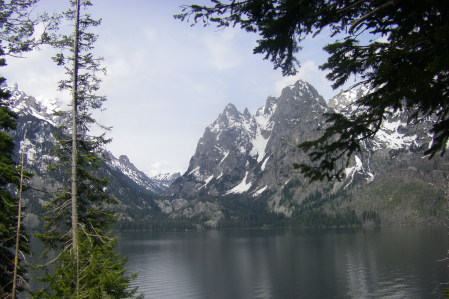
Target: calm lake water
392, 263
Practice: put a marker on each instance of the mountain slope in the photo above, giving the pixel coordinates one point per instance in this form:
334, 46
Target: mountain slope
165, 179
35, 133
248, 158
242, 175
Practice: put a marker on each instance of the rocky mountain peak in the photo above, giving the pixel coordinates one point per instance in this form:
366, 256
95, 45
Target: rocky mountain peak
268, 109
23, 104
237, 148
124, 159
246, 114
165, 179
251, 157
301, 90
229, 115
230, 109
345, 99
230, 118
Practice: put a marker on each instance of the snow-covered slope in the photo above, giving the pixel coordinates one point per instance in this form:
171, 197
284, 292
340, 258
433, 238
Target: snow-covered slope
395, 132
139, 177
394, 135
165, 179
26, 105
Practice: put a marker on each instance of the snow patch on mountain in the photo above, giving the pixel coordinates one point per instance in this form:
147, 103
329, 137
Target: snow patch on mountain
207, 181
242, 187
389, 134
196, 172
345, 99
23, 104
263, 127
226, 153
165, 179
123, 165
264, 163
350, 171
28, 147
260, 191
358, 168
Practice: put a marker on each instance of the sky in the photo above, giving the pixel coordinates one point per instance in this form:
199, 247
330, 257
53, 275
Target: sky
166, 80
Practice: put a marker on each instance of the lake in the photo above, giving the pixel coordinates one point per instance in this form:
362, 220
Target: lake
389, 263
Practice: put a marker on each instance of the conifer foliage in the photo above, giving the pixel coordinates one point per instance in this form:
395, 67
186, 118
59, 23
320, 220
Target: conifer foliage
16, 30
78, 219
8, 202
399, 48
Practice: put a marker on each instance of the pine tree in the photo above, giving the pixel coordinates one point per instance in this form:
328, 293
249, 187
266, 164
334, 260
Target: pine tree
8, 203
78, 219
16, 30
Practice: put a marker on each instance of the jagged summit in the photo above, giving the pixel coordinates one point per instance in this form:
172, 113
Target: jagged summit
124, 159
246, 113
301, 91
235, 154
124, 165
345, 99
166, 179
23, 104
230, 108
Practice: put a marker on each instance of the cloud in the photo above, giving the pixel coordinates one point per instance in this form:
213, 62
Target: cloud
150, 33
222, 49
36, 74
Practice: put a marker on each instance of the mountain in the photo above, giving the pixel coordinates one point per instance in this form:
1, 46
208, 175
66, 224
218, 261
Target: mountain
123, 165
165, 179
241, 153
241, 174
246, 160
36, 130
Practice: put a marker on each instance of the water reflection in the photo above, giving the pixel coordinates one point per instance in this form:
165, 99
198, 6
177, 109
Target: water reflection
288, 264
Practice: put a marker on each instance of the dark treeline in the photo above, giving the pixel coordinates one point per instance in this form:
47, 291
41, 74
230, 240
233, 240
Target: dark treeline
241, 212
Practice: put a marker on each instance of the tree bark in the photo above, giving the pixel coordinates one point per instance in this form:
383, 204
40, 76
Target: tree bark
19, 224
74, 186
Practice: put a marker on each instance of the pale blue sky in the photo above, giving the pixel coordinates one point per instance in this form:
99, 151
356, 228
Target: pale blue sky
167, 80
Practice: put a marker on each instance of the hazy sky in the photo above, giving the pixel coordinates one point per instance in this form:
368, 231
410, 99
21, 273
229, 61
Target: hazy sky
167, 80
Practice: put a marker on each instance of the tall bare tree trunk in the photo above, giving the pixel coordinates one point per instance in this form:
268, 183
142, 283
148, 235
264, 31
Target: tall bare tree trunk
74, 188
19, 224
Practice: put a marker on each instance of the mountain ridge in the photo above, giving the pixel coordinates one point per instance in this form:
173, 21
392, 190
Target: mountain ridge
242, 175
251, 158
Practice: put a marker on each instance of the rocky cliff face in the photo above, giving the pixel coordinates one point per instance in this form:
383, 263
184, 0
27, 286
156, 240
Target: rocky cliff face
248, 154
251, 156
